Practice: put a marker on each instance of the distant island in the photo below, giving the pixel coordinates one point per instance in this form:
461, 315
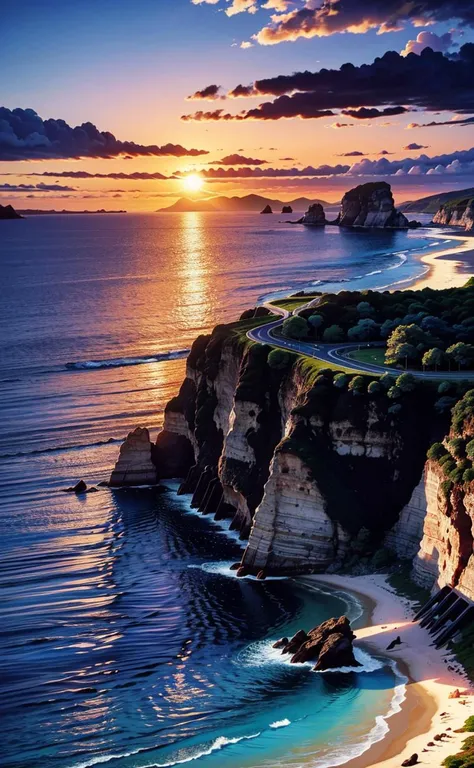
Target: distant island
433, 203
39, 212
8, 212
247, 203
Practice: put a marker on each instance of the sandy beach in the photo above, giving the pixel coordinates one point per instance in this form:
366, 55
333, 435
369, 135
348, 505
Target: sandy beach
445, 269
433, 674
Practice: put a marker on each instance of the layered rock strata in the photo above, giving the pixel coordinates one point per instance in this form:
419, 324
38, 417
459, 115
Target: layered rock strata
460, 213
134, 465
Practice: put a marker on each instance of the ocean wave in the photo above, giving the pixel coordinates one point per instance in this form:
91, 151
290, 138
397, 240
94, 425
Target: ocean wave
262, 653
120, 362
59, 448
280, 723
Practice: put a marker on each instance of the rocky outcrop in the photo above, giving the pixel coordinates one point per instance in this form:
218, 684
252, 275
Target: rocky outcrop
287, 209
8, 212
329, 645
134, 465
457, 213
371, 205
267, 209
314, 216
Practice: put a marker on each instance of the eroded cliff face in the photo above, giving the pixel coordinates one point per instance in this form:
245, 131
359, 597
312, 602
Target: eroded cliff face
460, 214
371, 205
306, 471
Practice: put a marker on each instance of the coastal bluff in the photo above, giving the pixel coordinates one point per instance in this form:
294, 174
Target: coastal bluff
456, 213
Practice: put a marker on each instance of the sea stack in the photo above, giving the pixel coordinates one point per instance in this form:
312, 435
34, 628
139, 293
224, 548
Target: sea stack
267, 209
134, 465
8, 212
314, 216
329, 645
287, 209
371, 205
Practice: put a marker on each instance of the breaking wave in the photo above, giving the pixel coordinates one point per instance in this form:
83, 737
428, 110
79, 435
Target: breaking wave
120, 362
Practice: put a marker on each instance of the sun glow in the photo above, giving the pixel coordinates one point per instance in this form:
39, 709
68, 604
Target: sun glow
193, 182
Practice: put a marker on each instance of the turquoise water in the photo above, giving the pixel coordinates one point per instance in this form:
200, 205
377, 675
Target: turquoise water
125, 638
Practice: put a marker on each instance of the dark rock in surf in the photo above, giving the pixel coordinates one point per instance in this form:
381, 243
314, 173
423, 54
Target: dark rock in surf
80, 487
267, 209
280, 643
395, 642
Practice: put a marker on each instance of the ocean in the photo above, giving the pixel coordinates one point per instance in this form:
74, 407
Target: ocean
125, 638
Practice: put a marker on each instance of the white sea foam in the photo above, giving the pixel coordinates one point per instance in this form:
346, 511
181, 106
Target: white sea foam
223, 525
120, 362
280, 723
220, 743
262, 653
223, 568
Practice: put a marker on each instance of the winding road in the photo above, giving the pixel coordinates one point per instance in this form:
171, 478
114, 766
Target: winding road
333, 354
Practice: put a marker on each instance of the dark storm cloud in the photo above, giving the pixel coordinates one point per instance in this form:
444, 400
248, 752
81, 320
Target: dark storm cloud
369, 113
452, 123
358, 16
41, 187
136, 176
430, 81
24, 135
210, 93
237, 159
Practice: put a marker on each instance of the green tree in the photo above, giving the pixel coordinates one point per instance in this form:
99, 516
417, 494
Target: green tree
456, 447
436, 451
341, 380
295, 327
470, 449
394, 392
316, 321
461, 353
374, 388
365, 309
403, 344
387, 380
444, 387
278, 359
357, 385
333, 335
406, 382
433, 358
365, 330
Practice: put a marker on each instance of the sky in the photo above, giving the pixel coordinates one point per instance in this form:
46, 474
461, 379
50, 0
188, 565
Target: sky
115, 104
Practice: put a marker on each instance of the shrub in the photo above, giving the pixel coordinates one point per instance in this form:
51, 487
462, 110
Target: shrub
470, 449
278, 359
449, 466
387, 380
357, 385
436, 451
341, 380
333, 335
295, 327
446, 488
444, 403
456, 475
468, 475
456, 447
394, 392
444, 459
444, 387
374, 388
406, 382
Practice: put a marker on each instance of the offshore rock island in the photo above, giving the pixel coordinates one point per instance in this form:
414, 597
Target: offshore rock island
302, 458
367, 206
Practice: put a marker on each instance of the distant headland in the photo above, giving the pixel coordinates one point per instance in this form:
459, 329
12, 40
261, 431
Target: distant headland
39, 212
8, 212
247, 203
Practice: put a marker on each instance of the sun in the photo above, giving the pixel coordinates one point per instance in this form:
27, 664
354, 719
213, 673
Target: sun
193, 182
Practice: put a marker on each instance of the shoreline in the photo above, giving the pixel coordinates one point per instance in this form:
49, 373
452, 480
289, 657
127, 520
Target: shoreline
444, 270
431, 677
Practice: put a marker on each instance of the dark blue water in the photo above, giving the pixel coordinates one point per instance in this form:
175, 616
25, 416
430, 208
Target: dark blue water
124, 637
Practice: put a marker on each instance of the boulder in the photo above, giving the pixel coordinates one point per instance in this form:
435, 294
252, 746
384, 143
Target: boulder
280, 643
395, 642
287, 209
267, 209
80, 487
314, 216
336, 652
371, 205
329, 645
411, 760
134, 465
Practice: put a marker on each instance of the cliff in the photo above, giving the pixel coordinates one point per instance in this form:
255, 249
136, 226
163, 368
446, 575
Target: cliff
318, 472
432, 203
371, 205
456, 213
314, 216
300, 465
